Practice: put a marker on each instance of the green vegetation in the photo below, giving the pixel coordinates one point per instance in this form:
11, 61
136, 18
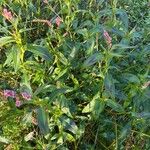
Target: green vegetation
74, 74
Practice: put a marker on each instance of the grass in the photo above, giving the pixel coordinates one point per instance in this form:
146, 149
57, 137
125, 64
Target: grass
80, 71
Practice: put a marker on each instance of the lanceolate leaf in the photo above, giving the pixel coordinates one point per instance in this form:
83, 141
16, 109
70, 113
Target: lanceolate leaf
13, 57
9, 59
61, 73
109, 85
125, 131
16, 57
89, 107
131, 78
62, 58
141, 115
60, 91
93, 59
118, 32
122, 46
5, 40
114, 105
96, 106
43, 89
123, 17
69, 124
42, 120
40, 51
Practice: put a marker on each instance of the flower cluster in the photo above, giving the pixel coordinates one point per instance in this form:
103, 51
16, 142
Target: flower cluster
107, 38
7, 14
12, 94
18, 102
26, 96
9, 93
58, 21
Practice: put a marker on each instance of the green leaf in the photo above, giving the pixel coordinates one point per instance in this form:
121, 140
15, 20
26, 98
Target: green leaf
43, 89
68, 137
131, 78
86, 23
125, 131
66, 111
6, 40
61, 73
41, 51
124, 17
89, 107
96, 106
26, 29
73, 53
62, 58
83, 32
16, 57
118, 32
115, 54
42, 121
144, 115
68, 124
122, 46
9, 58
90, 46
114, 105
93, 59
109, 85
94, 30
60, 91
75, 81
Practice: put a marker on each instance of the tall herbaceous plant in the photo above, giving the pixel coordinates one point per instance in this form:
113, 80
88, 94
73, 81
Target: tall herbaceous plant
74, 74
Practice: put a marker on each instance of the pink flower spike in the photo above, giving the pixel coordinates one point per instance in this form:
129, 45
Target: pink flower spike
107, 38
26, 96
58, 21
18, 102
9, 93
7, 14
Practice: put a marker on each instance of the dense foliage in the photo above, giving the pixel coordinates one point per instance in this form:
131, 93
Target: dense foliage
74, 74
